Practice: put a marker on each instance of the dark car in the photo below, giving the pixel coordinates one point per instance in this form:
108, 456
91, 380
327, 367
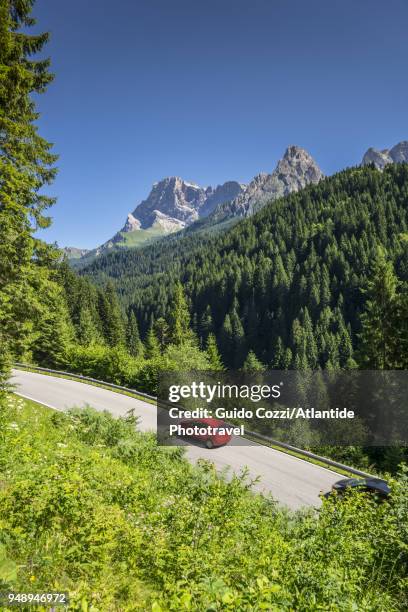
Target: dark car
209, 431
377, 486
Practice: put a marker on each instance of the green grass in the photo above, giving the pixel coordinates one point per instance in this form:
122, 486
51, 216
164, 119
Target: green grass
90, 506
141, 237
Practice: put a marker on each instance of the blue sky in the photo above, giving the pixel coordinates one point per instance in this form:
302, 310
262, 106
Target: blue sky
211, 90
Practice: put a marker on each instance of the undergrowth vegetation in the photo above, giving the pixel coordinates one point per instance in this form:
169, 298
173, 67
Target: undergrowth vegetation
91, 506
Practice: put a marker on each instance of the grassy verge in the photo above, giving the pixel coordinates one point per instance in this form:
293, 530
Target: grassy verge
90, 506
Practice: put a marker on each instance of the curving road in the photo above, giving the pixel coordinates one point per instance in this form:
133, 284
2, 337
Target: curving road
291, 481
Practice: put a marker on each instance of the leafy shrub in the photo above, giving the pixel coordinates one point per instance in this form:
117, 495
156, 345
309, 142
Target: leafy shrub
102, 362
89, 505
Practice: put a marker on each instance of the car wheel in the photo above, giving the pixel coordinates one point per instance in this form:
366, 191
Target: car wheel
209, 443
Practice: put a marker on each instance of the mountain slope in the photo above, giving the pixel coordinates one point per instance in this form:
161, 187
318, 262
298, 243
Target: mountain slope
74, 252
293, 172
285, 282
174, 204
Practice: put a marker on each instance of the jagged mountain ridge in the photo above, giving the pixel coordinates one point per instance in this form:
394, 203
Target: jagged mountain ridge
398, 154
293, 172
172, 205
74, 252
181, 202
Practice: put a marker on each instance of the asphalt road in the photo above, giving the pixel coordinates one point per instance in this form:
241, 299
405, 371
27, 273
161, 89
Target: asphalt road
291, 481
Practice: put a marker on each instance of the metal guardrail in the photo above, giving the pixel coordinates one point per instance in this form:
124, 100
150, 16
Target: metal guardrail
309, 455
251, 434
28, 366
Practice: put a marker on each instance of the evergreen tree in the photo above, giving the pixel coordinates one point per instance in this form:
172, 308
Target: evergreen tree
134, 344
25, 167
252, 363
278, 352
111, 316
152, 348
379, 337
180, 318
238, 338
287, 359
214, 356
86, 329
226, 340
54, 328
345, 348
206, 324
162, 332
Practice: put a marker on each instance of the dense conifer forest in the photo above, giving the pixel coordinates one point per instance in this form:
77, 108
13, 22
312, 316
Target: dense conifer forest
291, 284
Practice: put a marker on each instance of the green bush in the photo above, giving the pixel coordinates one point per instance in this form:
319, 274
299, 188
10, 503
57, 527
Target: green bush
183, 358
90, 505
113, 365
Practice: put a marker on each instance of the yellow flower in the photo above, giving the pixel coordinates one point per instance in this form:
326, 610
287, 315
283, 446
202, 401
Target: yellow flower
32, 578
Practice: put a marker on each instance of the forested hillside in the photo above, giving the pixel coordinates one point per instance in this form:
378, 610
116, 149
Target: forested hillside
290, 283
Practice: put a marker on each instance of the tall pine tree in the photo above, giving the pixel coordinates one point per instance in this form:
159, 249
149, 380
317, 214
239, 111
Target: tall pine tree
26, 165
180, 318
152, 348
134, 344
214, 356
379, 336
34, 319
111, 316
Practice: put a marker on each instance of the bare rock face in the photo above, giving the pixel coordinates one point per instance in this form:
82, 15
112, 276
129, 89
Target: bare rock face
166, 223
173, 197
223, 193
181, 201
131, 224
293, 172
74, 252
397, 155
171, 205
379, 158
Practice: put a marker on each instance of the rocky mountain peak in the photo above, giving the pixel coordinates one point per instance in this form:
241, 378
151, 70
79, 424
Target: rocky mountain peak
180, 202
293, 172
171, 205
294, 152
174, 203
398, 154
74, 252
297, 168
173, 197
